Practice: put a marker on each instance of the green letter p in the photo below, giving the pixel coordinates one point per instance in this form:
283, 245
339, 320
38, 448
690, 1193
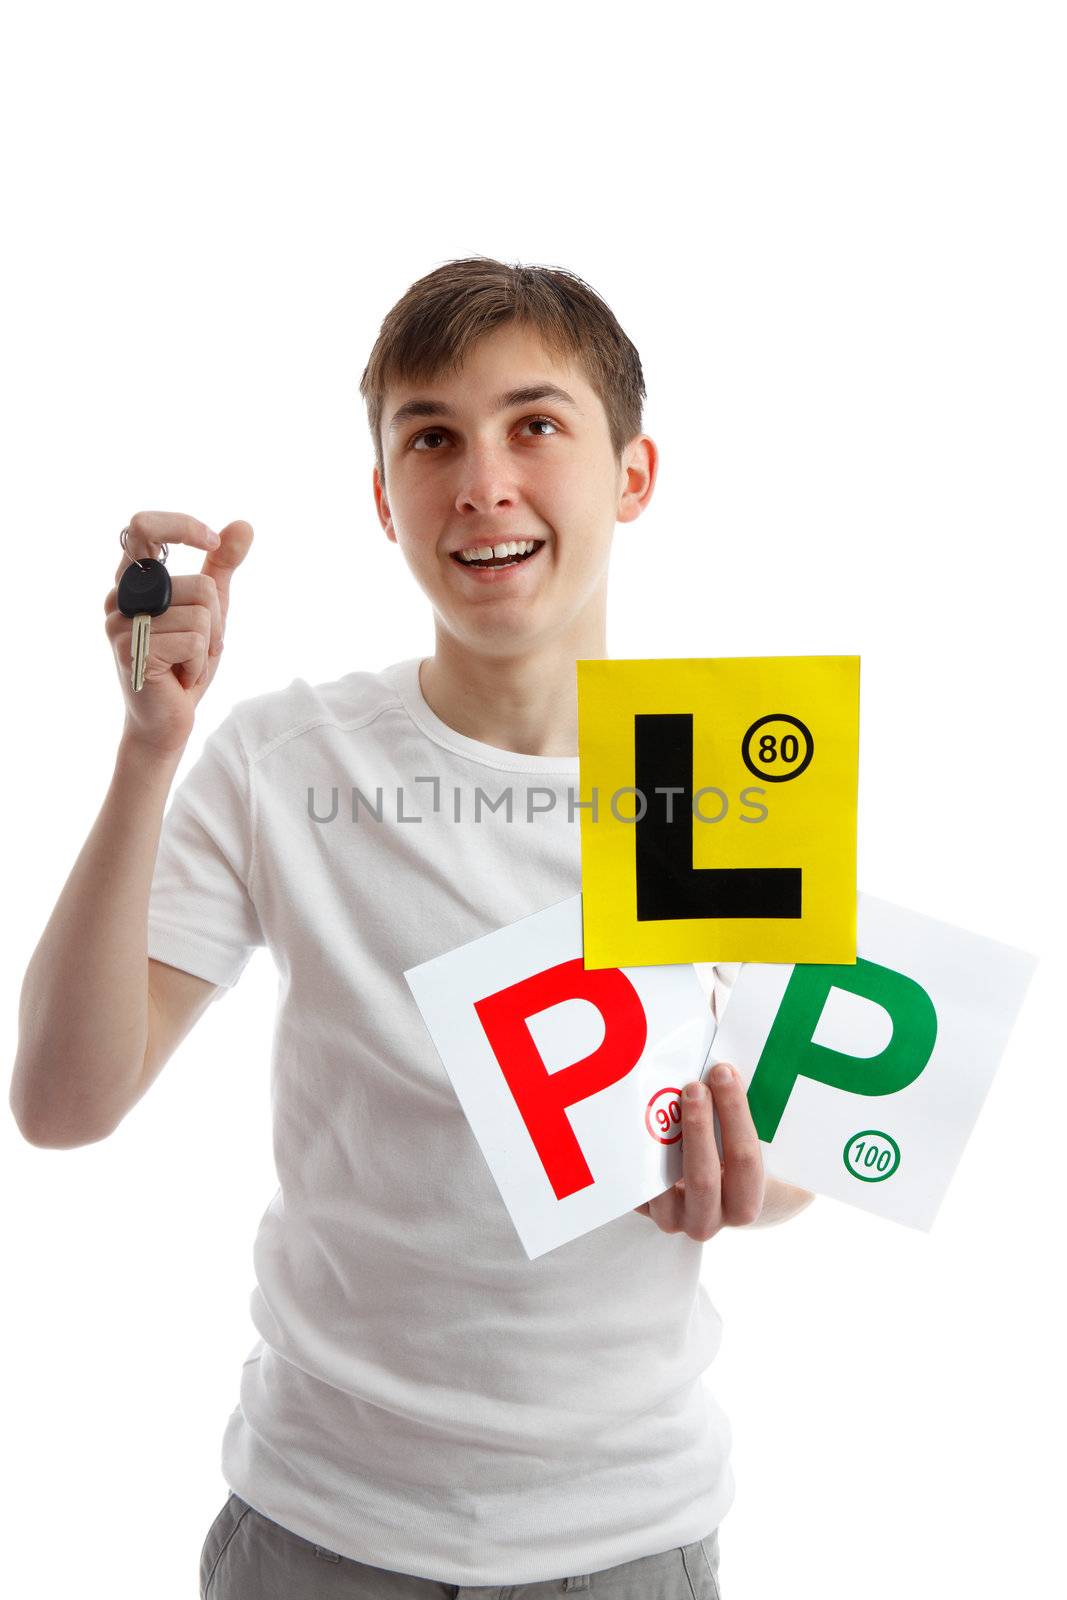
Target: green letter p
791, 1053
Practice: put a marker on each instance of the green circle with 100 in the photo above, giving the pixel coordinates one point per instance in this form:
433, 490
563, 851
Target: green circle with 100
872, 1156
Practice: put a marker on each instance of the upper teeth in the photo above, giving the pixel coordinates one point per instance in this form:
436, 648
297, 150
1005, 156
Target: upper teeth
485, 552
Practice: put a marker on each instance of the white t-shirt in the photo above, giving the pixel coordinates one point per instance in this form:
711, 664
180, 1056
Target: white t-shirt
422, 1396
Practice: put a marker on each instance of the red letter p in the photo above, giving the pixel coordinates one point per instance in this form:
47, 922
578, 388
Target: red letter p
543, 1097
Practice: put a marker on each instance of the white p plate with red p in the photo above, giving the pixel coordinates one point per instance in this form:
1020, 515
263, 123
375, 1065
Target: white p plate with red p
569, 1078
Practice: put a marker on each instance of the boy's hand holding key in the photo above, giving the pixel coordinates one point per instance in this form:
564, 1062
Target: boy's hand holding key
89, 1047
184, 640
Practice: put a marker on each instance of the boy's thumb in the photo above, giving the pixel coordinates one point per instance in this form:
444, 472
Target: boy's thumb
235, 541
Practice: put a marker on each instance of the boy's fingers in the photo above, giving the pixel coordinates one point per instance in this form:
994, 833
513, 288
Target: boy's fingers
713, 1190
149, 531
743, 1179
235, 541
700, 1201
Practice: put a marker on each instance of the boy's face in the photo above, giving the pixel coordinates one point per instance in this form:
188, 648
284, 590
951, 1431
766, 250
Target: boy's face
465, 472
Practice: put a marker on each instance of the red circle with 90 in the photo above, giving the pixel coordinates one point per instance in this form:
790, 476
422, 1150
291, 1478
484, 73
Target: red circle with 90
663, 1116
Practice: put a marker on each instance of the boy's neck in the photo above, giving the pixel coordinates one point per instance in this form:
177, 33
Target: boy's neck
527, 704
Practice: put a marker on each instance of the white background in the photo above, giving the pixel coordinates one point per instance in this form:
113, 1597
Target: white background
836, 235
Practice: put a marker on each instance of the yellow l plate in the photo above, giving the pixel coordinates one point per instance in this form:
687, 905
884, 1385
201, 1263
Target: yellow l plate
718, 818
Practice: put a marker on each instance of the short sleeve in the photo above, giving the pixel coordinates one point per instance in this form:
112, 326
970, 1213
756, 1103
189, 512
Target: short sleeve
201, 916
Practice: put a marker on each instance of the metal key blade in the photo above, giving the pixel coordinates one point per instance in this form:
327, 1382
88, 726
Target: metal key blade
139, 648
144, 592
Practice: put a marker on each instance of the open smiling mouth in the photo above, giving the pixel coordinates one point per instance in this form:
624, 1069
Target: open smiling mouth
518, 551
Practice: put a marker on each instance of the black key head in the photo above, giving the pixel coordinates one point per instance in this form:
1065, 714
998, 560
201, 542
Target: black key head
144, 589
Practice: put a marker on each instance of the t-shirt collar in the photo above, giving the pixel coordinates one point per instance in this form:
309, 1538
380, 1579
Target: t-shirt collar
405, 678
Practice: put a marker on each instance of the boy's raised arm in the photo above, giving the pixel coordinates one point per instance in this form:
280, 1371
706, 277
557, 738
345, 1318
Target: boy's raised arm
85, 1013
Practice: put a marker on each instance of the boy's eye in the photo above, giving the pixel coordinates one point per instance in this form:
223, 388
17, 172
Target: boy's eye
429, 433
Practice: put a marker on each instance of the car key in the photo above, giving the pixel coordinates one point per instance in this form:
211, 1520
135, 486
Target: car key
143, 593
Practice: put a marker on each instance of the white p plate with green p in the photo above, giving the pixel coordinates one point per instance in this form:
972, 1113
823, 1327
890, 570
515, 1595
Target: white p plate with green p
865, 1080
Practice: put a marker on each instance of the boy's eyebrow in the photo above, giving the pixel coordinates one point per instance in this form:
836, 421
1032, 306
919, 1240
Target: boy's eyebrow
512, 397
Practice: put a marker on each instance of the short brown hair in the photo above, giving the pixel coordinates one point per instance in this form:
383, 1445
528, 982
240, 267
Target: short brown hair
433, 325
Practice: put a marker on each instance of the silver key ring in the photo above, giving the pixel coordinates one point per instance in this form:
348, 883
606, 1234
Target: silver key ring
122, 541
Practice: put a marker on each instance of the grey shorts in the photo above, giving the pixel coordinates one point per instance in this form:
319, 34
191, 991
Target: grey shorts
246, 1556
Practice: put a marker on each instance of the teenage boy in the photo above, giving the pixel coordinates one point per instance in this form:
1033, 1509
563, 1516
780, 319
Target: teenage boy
422, 1398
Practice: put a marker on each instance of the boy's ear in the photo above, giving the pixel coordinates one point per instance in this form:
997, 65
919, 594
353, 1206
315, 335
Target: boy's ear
382, 505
